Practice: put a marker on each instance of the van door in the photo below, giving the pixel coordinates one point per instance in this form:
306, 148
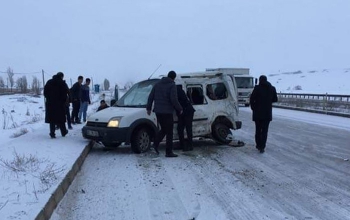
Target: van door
201, 125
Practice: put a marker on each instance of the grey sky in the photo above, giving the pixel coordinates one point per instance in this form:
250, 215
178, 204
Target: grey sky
126, 40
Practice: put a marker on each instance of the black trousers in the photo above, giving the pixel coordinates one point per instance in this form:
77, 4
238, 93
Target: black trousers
69, 122
261, 130
62, 127
75, 110
166, 122
185, 121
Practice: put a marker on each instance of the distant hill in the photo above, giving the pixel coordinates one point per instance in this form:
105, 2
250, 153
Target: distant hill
331, 81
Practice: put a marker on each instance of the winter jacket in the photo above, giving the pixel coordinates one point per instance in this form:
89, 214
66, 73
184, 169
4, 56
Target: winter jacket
55, 92
75, 92
184, 101
85, 93
261, 101
164, 95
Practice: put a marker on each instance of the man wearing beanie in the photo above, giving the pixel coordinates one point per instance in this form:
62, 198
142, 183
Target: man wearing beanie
164, 96
261, 101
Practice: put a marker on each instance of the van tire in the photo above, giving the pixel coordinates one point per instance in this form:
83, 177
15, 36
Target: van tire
220, 132
140, 140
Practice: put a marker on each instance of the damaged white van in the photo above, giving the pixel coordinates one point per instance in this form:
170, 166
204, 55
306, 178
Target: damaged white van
213, 95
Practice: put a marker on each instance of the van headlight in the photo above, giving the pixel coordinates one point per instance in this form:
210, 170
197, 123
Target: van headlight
113, 123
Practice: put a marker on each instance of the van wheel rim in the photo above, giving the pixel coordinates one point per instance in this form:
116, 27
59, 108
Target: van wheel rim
144, 141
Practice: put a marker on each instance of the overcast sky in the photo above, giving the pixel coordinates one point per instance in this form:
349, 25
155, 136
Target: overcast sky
127, 39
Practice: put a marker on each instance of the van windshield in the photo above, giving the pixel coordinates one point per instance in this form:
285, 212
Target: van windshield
244, 82
137, 95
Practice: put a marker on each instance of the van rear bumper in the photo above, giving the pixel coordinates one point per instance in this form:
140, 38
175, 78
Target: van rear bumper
103, 134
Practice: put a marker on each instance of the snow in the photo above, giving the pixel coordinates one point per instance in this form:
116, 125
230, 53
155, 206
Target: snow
31, 163
331, 81
43, 161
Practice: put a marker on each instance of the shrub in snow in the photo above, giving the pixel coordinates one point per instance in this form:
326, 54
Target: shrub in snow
24, 166
8, 121
20, 133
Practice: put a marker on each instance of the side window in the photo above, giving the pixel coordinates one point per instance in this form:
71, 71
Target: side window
216, 91
196, 95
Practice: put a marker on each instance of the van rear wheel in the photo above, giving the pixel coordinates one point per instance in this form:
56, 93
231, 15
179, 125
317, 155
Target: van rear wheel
140, 140
220, 132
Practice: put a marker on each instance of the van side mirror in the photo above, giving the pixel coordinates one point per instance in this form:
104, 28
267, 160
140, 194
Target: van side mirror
256, 81
113, 101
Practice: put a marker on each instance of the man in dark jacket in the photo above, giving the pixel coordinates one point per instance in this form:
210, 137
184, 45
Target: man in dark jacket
164, 95
55, 92
75, 96
84, 100
185, 119
261, 101
103, 105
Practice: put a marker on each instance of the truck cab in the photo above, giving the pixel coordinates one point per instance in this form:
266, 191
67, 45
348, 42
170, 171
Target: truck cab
212, 94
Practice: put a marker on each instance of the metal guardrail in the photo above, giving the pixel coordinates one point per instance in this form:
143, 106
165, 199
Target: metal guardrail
332, 104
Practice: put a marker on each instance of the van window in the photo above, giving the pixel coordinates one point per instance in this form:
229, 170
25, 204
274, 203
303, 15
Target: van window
216, 91
196, 95
137, 96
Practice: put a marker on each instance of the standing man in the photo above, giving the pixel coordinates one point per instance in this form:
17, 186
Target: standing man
164, 95
84, 100
185, 119
261, 101
55, 92
75, 96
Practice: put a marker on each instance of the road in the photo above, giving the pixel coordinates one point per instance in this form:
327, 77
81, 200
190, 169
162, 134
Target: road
304, 174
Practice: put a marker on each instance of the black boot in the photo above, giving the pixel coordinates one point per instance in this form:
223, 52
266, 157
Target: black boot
169, 153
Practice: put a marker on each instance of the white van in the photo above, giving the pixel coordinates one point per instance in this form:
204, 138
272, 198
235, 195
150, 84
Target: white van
213, 95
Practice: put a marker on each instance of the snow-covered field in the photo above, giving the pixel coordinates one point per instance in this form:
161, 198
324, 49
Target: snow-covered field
331, 81
32, 164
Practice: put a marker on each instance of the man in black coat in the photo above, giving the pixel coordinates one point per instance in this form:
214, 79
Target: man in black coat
261, 101
164, 95
185, 120
55, 92
75, 96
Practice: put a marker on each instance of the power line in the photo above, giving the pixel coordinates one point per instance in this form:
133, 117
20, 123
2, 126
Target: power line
20, 73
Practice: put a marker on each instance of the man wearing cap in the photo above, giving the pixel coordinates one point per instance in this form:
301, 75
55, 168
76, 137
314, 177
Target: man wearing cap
261, 101
165, 99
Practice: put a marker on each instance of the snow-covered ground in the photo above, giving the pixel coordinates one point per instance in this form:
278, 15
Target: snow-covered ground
303, 175
331, 81
32, 164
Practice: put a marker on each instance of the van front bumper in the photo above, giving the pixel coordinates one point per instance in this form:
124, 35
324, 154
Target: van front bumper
104, 134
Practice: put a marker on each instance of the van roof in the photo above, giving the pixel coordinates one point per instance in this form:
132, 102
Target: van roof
203, 74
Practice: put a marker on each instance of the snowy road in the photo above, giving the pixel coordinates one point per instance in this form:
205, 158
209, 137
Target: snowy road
304, 174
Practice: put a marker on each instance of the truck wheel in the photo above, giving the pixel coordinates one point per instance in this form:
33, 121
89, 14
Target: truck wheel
111, 145
140, 140
220, 132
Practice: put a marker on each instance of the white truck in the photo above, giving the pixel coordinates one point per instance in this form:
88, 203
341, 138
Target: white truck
244, 81
213, 95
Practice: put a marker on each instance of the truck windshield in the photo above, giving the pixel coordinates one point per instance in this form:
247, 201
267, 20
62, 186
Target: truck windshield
137, 95
244, 82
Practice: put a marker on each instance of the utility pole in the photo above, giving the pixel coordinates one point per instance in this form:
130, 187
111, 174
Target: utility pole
42, 71
71, 82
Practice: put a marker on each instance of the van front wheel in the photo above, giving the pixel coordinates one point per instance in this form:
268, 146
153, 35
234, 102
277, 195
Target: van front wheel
220, 132
140, 140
